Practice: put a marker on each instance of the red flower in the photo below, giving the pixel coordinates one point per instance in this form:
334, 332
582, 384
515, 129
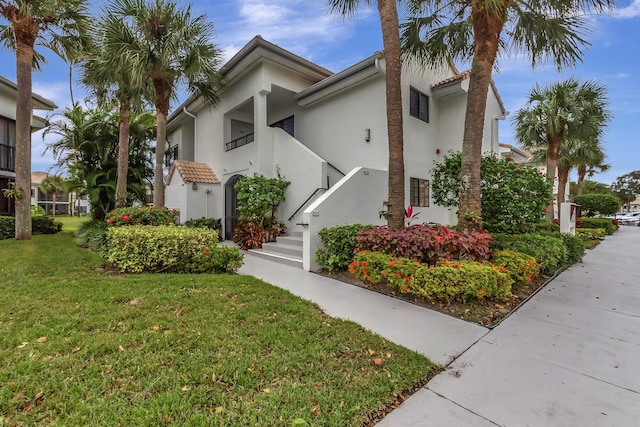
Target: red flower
110, 220
126, 217
405, 288
510, 158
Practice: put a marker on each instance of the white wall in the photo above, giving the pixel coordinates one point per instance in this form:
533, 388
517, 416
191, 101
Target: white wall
306, 170
357, 198
176, 195
203, 202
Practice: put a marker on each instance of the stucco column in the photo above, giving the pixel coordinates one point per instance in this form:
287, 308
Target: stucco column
263, 136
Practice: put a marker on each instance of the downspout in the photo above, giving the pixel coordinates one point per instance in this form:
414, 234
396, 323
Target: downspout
195, 133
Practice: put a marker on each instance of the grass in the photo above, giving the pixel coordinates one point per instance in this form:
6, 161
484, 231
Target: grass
71, 223
80, 347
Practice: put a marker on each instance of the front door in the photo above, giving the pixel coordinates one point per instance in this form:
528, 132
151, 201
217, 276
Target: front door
230, 206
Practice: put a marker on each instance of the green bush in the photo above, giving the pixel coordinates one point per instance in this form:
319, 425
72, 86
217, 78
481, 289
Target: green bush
92, 235
141, 215
37, 211
591, 233
604, 223
604, 204
522, 268
447, 281
513, 195
7, 227
550, 252
159, 249
45, 225
210, 223
544, 227
575, 247
338, 246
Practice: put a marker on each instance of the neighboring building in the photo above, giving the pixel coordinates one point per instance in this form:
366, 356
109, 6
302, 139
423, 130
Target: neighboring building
66, 203
517, 154
8, 91
324, 132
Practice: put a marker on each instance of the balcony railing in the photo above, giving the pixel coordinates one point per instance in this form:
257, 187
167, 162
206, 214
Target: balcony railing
7, 158
239, 142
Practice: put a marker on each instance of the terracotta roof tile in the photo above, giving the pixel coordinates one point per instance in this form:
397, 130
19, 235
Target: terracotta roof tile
459, 76
194, 172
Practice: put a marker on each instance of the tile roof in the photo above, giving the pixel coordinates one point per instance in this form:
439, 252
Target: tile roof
37, 177
459, 76
194, 172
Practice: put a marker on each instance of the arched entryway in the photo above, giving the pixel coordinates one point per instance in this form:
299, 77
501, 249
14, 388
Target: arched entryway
230, 206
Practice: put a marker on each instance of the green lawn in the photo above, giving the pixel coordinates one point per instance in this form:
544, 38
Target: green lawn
82, 347
71, 223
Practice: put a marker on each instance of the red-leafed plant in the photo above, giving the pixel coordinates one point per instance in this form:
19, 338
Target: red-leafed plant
427, 244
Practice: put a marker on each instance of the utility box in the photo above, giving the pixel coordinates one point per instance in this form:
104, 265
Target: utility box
568, 215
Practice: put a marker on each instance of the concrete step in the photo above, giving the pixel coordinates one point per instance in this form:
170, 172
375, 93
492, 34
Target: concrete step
296, 234
280, 248
293, 261
290, 241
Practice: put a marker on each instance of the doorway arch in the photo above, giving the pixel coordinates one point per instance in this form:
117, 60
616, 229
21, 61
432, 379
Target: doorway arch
230, 206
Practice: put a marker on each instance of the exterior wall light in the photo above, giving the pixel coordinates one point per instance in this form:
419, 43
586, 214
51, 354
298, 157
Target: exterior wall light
367, 135
437, 151
194, 186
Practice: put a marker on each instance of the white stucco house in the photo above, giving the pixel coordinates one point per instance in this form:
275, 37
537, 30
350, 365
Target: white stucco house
325, 132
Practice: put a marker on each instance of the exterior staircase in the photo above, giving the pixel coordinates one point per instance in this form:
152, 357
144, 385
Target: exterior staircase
285, 250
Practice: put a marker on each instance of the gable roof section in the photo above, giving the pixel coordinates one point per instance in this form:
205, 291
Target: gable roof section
196, 172
455, 84
39, 102
341, 81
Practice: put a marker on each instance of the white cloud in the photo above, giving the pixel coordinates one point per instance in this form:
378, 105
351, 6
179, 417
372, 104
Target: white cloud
630, 11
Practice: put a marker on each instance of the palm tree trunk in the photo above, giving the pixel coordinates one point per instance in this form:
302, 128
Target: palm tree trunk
552, 162
123, 154
563, 177
391, 45
162, 111
487, 26
582, 172
24, 62
53, 212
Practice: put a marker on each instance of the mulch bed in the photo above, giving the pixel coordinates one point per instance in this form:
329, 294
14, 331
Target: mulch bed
485, 313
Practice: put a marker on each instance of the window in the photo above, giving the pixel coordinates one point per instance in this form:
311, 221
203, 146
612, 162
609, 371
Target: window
286, 125
418, 105
419, 192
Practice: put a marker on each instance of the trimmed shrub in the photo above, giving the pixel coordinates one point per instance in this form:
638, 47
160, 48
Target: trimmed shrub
550, 252
141, 215
92, 235
591, 233
448, 280
522, 268
607, 224
210, 223
426, 244
7, 227
545, 227
37, 211
164, 249
463, 281
338, 246
45, 225
575, 247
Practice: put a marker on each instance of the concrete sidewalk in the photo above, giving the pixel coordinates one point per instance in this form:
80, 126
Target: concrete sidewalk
568, 357
439, 337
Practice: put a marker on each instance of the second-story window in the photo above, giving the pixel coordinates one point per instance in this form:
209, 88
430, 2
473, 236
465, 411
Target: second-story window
418, 105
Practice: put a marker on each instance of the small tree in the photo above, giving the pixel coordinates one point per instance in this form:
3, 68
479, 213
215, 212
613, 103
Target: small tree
627, 187
603, 204
53, 184
513, 195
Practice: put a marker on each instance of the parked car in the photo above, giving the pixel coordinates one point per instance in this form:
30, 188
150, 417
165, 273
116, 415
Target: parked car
629, 218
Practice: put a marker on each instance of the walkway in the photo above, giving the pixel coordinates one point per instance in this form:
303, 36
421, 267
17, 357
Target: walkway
569, 357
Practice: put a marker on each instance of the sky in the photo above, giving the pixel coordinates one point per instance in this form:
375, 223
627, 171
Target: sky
305, 28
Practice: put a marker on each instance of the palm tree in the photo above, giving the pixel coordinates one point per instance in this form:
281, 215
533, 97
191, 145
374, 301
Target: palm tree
564, 111
108, 74
391, 45
441, 31
53, 184
59, 25
588, 162
169, 47
88, 149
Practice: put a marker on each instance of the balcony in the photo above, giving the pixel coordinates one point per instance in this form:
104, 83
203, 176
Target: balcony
7, 158
239, 142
